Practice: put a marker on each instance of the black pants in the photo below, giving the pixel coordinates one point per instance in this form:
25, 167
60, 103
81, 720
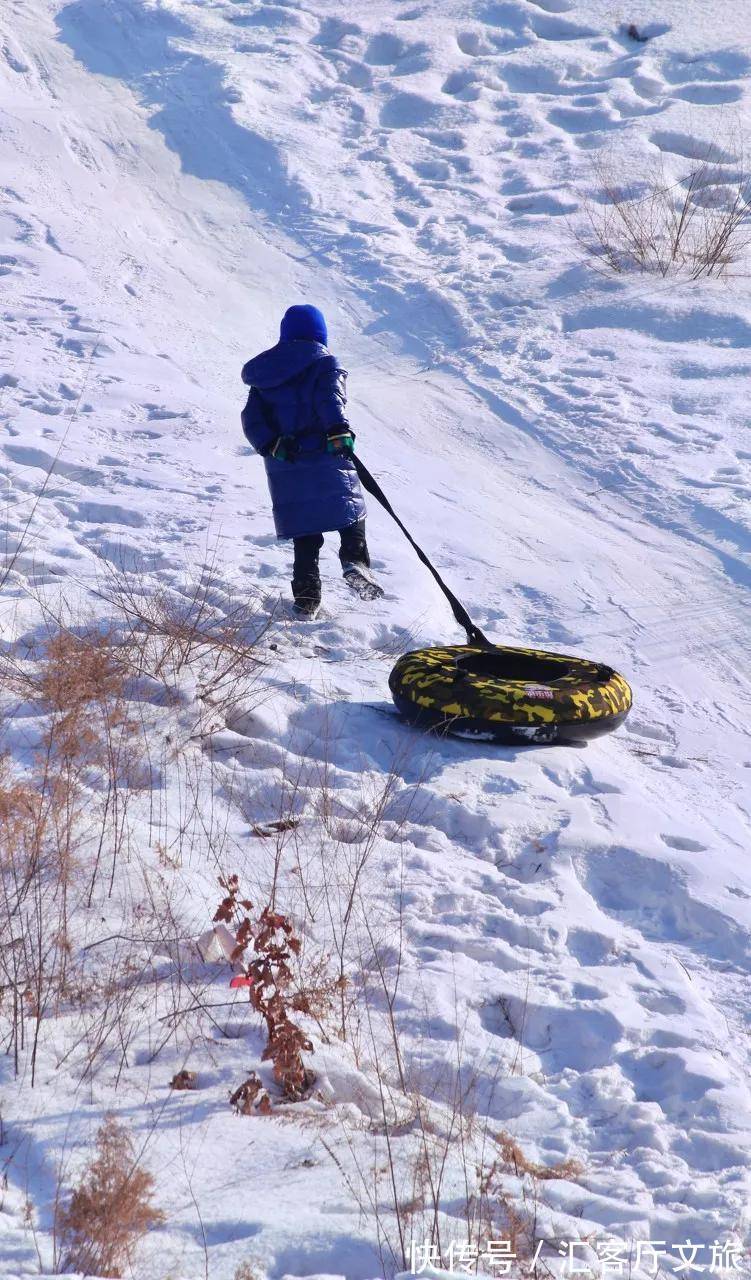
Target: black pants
306, 579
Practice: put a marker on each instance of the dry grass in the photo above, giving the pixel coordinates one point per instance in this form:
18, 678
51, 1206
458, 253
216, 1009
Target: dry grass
198, 634
247, 1272
48, 823
111, 1209
439, 1177
94, 691
698, 226
39, 813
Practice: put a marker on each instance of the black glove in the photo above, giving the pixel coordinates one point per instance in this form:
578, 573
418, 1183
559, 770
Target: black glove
283, 448
341, 441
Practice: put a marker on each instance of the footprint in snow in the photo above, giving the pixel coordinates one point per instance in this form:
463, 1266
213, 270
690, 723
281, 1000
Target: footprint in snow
655, 1000
104, 513
386, 50
158, 413
473, 45
30, 457
653, 896
274, 18
642, 729
717, 65
648, 87
684, 843
410, 111
674, 762
43, 406
540, 203
465, 85
591, 949
709, 95
576, 120
501, 786
337, 34
689, 147
564, 1038
553, 6
585, 991
548, 27
586, 784
665, 1077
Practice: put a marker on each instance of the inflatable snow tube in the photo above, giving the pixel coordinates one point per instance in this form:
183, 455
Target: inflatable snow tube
509, 695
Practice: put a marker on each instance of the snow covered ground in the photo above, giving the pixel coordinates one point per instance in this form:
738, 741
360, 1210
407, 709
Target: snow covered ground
557, 937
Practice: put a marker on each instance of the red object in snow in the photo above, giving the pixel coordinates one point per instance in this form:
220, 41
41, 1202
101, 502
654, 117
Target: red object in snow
241, 981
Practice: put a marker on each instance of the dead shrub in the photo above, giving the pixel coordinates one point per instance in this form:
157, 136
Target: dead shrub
77, 678
247, 1272
110, 1210
698, 226
269, 978
499, 1213
251, 1096
67, 814
36, 868
183, 1080
77, 671
60, 818
199, 632
512, 1158
333, 865
441, 1180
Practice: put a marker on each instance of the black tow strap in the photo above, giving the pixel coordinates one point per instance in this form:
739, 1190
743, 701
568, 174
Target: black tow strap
474, 634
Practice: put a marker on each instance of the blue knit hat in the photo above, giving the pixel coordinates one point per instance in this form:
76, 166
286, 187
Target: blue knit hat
306, 323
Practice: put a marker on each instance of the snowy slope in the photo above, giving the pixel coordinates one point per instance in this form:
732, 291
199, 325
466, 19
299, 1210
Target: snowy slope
570, 927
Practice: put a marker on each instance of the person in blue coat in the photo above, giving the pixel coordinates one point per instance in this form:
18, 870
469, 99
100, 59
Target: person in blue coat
295, 418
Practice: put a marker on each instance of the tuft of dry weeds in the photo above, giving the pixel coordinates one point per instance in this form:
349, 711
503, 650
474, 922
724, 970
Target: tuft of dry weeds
183, 1080
198, 634
698, 226
512, 1158
251, 1097
246, 1272
37, 865
66, 819
110, 1210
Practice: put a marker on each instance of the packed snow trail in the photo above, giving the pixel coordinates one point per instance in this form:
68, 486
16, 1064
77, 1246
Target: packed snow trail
569, 450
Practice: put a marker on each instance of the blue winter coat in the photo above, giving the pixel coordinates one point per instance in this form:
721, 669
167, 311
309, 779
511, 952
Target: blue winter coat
298, 389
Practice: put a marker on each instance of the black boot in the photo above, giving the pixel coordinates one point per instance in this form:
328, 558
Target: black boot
356, 562
307, 593
354, 548
306, 580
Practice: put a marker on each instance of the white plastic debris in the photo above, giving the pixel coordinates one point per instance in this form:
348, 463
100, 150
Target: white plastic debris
217, 943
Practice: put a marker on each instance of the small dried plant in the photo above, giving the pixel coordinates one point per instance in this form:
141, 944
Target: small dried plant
36, 870
79, 679
111, 1209
250, 1096
200, 632
269, 978
698, 226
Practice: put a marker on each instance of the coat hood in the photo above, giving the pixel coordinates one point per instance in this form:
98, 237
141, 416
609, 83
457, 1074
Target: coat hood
281, 363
